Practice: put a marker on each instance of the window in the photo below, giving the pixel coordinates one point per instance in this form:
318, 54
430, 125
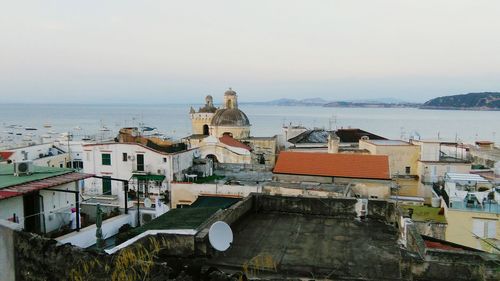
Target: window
206, 130
484, 228
407, 170
164, 160
140, 162
106, 186
124, 156
78, 164
106, 159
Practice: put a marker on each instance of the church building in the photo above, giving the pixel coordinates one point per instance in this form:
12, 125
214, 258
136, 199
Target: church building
223, 134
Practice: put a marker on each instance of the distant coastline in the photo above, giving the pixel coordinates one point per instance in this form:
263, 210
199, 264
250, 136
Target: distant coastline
459, 108
486, 101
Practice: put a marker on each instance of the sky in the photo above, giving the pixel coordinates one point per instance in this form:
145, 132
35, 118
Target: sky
162, 51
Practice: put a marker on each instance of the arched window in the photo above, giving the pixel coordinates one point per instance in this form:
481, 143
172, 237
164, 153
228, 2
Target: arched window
213, 157
206, 130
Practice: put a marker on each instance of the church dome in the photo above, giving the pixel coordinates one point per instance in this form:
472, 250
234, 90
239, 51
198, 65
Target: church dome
231, 117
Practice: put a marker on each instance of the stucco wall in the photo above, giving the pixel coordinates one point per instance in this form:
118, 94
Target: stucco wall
87, 236
433, 171
182, 193
7, 254
237, 132
170, 165
460, 227
198, 120
299, 178
225, 154
57, 206
11, 206
400, 156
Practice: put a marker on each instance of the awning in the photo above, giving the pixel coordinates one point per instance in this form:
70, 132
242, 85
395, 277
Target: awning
17, 190
148, 177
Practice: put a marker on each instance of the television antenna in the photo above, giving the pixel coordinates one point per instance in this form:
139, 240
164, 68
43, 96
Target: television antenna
220, 236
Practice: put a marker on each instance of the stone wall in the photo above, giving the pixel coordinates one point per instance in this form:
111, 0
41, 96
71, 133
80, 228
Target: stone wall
344, 207
151, 258
433, 229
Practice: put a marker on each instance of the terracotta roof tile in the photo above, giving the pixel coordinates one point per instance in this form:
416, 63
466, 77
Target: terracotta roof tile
4, 155
333, 165
228, 140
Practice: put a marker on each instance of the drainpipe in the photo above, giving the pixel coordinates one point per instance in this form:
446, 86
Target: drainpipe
77, 204
43, 213
125, 187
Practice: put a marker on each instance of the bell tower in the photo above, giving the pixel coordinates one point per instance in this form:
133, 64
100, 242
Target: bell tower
230, 99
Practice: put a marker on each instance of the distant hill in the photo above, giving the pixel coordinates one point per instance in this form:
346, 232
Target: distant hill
370, 104
295, 102
471, 101
382, 102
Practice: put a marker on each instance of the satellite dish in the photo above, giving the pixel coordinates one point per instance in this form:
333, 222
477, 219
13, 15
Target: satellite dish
220, 236
148, 203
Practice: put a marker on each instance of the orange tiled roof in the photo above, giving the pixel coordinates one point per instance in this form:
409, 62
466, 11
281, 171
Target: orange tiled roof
333, 165
4, 155
228, 140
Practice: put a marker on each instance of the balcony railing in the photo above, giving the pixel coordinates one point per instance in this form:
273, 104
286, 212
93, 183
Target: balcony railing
490, 206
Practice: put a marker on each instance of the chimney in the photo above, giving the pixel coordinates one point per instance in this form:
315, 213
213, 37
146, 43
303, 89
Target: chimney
333, 143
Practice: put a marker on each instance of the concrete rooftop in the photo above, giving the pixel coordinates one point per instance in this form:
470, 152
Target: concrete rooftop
271, 244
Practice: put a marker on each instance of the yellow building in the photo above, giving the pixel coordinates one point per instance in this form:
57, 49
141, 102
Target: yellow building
403, 162
472, 211
403, 156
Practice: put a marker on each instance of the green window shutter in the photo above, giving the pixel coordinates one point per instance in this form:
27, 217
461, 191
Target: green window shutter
106, 186
106, 159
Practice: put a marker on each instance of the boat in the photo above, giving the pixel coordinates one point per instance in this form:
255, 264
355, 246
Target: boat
86, 138
47, 125
104, 129
30, 129
78, 128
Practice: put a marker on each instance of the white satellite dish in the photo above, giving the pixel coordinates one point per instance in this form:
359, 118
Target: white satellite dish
220, 236
148, 203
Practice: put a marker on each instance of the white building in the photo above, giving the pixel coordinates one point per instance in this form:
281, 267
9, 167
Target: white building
45, 155
134, 162
41, 201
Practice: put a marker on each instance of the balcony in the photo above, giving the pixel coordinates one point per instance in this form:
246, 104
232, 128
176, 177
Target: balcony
490, 206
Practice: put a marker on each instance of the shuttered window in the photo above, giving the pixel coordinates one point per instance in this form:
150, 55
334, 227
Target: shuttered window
106, 159
484, 228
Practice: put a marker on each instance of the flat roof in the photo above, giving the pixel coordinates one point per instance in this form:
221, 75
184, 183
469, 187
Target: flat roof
388, 142
425, 213
276, 243
465, 177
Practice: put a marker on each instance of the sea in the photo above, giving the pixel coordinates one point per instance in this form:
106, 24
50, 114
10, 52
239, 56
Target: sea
173, 120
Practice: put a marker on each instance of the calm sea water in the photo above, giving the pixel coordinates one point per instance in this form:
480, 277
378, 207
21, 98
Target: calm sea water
173, 120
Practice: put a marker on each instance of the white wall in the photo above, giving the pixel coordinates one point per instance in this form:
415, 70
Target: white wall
10, 206
154, 162
86, 237
57, 205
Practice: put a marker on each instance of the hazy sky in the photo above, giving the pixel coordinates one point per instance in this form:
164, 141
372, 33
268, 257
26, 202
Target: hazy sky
179, 51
